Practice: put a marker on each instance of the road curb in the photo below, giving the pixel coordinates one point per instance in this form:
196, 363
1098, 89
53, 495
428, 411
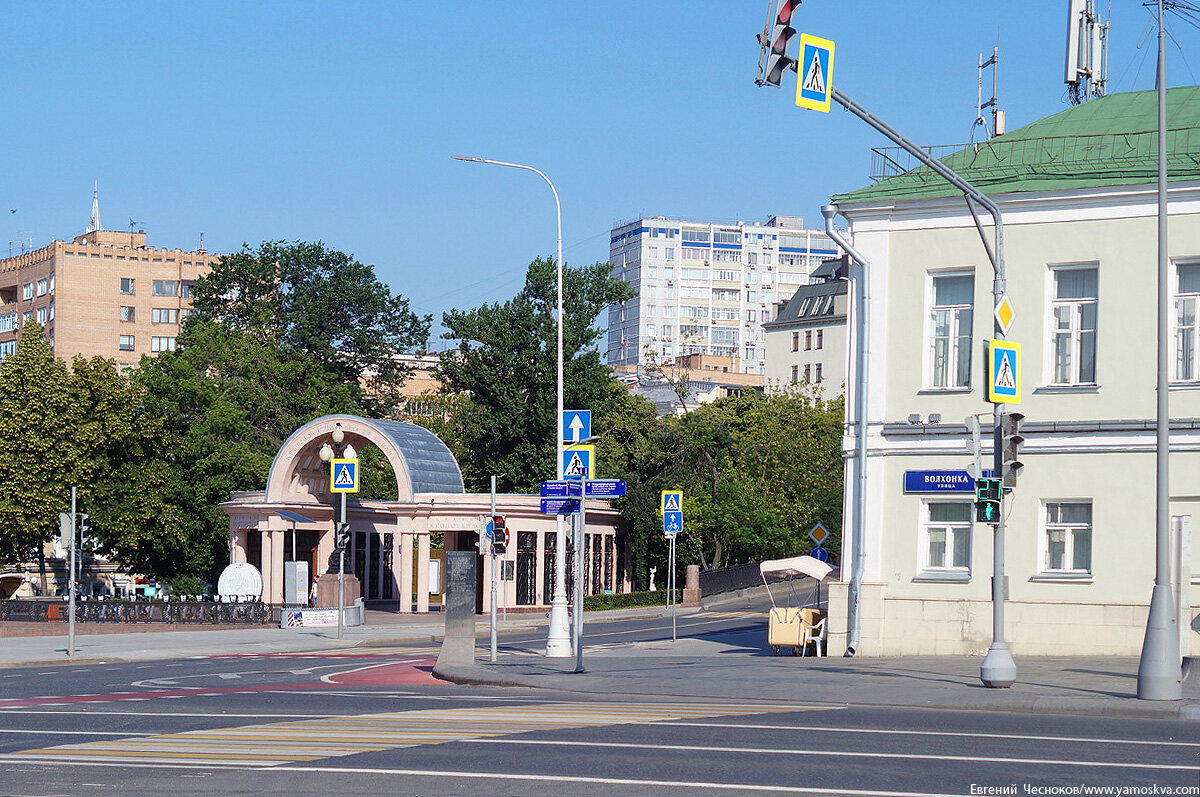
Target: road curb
481, 675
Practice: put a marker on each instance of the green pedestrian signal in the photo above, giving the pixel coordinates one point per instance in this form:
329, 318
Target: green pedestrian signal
987, 501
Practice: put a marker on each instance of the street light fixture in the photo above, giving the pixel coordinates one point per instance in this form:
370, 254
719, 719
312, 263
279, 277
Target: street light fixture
558, 641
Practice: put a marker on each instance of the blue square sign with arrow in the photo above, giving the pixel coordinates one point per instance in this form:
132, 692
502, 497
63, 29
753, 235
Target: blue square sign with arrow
577, 425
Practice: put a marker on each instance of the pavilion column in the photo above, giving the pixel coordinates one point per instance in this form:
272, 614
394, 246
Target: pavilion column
423, 571
405, 541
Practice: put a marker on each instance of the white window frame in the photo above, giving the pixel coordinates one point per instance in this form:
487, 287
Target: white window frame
930, 360
1070, 568
1075, 330
947, 570
1189, 336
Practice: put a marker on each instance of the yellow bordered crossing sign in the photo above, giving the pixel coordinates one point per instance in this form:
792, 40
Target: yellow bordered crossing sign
814, 89
1003, 372
343, 476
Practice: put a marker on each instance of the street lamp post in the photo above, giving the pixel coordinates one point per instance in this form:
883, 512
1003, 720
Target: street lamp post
326, 454
558, 641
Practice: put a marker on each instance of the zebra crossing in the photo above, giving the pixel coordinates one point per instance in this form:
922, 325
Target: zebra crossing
294, 742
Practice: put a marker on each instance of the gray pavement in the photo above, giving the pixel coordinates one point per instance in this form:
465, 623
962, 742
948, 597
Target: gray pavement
736, 664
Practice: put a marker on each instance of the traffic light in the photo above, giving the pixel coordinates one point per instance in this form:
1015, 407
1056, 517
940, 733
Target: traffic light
778, 61
499, 534
987, 501
1011, 440
343, 535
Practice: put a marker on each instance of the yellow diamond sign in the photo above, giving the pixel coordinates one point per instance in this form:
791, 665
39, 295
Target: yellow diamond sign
1004, 314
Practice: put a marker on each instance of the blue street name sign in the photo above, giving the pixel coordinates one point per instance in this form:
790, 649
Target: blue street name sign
563, 489
605, 488
560, 506
939, 481
819, 554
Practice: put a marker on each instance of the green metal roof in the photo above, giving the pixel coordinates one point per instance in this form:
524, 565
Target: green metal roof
1111, 140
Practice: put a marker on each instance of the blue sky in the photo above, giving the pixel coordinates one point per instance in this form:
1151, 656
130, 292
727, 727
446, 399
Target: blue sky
336, 121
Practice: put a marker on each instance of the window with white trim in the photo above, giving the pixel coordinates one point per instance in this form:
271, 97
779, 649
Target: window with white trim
1067, 538
947, 536
1187, 299
952, 299
162, 344
1073, 326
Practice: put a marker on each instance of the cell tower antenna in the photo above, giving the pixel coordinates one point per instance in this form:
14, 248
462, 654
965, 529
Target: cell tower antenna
1086, 73
997, 126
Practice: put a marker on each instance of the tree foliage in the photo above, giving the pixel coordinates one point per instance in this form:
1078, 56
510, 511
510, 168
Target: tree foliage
83, 426
505, 367
307, 298
228, 400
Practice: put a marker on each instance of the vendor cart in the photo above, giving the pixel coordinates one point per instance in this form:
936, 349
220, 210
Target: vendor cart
793, 626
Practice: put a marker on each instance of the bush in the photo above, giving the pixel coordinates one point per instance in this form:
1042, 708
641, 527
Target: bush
626, 600
187, 585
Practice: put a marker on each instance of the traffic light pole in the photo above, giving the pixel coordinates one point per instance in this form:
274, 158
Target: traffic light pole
492, 553
998, 668
71, 582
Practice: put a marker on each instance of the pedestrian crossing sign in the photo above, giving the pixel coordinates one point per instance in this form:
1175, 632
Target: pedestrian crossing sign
1004, 372
815, 87
578, 462
672, 501
343, 476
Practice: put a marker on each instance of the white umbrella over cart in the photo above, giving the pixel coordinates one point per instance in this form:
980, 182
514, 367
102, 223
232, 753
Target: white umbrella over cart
796, 626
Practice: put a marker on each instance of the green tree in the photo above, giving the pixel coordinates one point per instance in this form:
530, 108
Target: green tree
308, 298
228, 400
85, 426
505, 370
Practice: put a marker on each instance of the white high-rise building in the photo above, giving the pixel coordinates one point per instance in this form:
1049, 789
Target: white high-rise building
706, 288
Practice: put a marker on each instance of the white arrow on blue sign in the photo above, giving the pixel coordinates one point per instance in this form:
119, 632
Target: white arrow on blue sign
577, 425
672, 522
820, 554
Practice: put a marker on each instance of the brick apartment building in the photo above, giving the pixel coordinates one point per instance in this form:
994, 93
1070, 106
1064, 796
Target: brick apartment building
104, 293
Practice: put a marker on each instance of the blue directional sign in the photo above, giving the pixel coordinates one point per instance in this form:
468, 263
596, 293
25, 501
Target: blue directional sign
561, 489
672, 523
343, 476
577, 462
487, 529
577, 425
606, 488
820, 554
559, 506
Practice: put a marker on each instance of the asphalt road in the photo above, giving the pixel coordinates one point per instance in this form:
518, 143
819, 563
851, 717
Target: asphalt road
373, 721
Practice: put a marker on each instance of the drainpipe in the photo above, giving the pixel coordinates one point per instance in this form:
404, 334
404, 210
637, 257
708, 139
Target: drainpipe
860, 283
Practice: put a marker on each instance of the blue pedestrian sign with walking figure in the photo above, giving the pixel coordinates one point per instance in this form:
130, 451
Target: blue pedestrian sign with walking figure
343, 476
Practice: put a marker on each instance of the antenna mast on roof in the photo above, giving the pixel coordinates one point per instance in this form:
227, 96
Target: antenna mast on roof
1087, 52
997, 127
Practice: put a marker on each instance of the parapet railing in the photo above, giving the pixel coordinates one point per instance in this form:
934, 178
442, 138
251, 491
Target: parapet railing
185, 612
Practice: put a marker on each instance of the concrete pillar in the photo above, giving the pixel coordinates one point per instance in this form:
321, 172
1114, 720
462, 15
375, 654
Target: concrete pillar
406, 571
691, 589
423, 572
268, 554
325, 548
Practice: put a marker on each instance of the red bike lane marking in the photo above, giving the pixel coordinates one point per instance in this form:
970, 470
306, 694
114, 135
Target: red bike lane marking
410, 673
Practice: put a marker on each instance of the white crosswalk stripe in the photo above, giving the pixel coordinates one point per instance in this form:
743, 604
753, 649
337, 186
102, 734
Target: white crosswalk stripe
278, 743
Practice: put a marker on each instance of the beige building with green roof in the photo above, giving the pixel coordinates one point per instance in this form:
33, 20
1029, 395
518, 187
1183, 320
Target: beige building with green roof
1079, 201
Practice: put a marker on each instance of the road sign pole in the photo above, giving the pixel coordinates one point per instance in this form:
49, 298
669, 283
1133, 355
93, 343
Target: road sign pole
492, 553
71, 583
580, 546
674, 602
341, 574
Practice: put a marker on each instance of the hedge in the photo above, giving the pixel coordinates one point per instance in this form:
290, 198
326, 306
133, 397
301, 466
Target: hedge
626, 600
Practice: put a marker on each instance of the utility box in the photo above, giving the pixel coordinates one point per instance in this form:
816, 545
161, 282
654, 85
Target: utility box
295, 582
